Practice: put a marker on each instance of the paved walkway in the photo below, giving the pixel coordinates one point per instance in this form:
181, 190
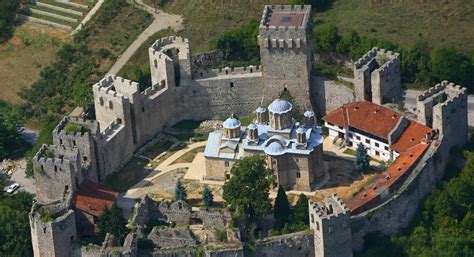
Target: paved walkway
161, 21
89, 16
139, 189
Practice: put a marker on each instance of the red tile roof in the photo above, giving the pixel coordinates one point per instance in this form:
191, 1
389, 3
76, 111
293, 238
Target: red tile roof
390, 180
367, 116
92, 198
411, 136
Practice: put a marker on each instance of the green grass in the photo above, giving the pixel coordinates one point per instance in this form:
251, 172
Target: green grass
66, 6
157, 148
52, 19
187, 125
189, 156
439, 23
205, 21
350, 152
133, 172
31, 48
46, 9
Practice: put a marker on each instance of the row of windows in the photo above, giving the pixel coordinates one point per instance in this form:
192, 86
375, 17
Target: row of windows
367, 141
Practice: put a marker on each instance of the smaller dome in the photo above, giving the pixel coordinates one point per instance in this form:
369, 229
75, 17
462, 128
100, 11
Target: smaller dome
231, 123
300, 130
280, 106
275, 148
308, 114
252, 126
261, 109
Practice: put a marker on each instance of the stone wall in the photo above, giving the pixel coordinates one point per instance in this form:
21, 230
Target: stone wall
206, 60
329, 95
397, 212
299, 244
170, 238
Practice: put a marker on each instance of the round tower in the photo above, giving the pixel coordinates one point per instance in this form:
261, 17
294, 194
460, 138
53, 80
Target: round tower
280, 114
262, 117
231, 127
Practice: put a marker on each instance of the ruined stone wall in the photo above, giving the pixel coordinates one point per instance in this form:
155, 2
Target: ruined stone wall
397, 212
53, 238
330, 95
299, 244
205, 60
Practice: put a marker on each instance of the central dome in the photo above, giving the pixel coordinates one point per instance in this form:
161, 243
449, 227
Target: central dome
231, 123
280, 106
275, 148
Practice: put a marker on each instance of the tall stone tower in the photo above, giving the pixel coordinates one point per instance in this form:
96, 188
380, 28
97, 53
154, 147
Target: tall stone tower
330, 222
286, 51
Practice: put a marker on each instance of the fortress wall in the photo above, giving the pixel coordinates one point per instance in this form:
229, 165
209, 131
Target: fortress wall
295, 244
117, 148
398, 212
329, 94
218, 98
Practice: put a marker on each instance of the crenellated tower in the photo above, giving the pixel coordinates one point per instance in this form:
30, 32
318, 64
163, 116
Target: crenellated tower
286, 52
331, 224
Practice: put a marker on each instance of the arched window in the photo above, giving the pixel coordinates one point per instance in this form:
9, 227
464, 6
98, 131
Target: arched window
101, 101
155, 62
111, 105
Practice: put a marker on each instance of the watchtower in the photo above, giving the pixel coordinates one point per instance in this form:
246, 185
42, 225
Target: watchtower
444, 109
377, 76
330, 222
286, 52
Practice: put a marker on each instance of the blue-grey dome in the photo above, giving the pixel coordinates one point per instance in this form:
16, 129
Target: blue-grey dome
280, 106
309, 114
252, 126
275, 148
260, 109
231, 123
300, 130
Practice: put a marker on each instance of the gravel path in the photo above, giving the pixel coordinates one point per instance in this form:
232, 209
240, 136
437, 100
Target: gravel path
161, 21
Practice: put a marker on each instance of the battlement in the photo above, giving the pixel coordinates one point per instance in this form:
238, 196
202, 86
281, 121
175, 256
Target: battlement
290, 17
331, 207
378, 54
91, 127
120, 85
159, 46
55, 155
226, 71
112, 128
451, 90
106, 87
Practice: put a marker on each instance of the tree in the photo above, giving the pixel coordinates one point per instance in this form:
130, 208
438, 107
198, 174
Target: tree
300, 211
8, 10
362, 158
180, 191
318, 5
10, 124
248, 188
112, 221
449, 64
281, 210
207, 196
326, 38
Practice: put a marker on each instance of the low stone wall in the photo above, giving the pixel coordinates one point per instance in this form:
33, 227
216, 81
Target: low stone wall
206, 60
299, 244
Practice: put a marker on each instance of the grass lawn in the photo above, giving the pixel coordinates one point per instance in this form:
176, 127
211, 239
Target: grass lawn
133, 172
156, 149
437, 22
189, 156
350, 152
32, 47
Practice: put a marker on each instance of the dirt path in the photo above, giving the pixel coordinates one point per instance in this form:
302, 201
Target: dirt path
161, 21
140, 189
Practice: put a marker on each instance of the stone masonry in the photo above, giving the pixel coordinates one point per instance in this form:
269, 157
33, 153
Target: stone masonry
377, 76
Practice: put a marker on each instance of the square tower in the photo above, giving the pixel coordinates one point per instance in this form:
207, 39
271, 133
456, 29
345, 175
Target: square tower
330, 222
286, 51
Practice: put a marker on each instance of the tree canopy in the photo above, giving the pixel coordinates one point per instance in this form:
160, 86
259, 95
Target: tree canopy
248, 188
112, 221
281, 210
10, 124
207, 196
362, 161
8, 10
180, 191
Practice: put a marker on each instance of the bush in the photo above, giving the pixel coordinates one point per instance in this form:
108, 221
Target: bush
8, 10
207, 196
240, 44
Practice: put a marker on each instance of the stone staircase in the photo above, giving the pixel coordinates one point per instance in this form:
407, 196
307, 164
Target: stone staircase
65, 14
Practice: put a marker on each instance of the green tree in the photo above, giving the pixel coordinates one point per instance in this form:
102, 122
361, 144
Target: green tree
248, 188
318, 5
8, 10
10, 124
325, 38
207, 196
112, 221
449, 64
281, 210
362, 161
240, 44
300, 213
180, 191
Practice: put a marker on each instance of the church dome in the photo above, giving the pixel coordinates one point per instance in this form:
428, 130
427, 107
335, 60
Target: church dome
279, 106
275, 148
252, 126
260, 109
300, 130
309, 114
231, 123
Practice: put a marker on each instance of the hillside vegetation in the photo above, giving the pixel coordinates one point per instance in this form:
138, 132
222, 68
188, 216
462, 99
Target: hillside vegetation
441, 23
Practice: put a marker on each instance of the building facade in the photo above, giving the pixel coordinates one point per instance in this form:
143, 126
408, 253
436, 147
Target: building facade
293, 149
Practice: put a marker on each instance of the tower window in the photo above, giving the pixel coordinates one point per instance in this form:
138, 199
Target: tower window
285, 89
226, 163
317, 226
231, 84
298, 175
